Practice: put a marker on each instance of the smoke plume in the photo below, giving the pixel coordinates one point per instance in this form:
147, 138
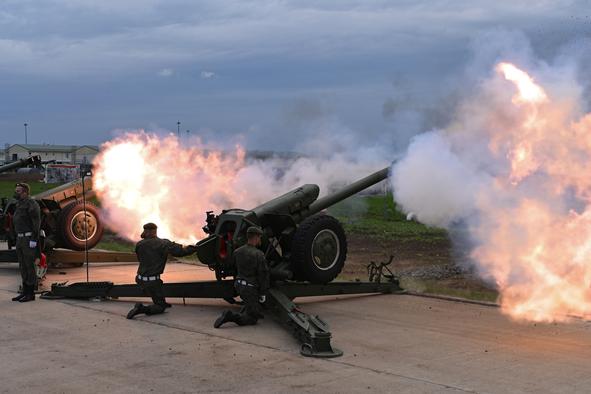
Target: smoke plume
142, 177
513, 168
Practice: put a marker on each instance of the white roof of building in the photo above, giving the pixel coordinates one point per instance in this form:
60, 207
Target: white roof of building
53, 148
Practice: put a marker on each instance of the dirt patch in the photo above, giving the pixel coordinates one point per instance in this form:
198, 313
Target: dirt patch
426, 265
362, 249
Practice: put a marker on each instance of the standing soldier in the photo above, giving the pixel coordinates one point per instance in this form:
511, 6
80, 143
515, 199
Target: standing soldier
27, 223
152, 253
252, 281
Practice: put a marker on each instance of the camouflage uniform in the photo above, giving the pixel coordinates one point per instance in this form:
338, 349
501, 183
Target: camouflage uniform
152, 254
252, 281
27, 223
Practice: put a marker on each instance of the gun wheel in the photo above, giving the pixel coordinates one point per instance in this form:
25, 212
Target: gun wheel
319, 249
74, 224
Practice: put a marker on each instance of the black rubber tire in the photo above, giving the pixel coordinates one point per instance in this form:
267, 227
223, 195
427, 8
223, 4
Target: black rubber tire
67, 237
302, 259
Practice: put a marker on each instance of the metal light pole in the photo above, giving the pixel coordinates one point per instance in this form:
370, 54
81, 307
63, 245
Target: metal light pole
178, 129
26, 138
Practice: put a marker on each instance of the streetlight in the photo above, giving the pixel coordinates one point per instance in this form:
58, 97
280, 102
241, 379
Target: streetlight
178, 129
26, 139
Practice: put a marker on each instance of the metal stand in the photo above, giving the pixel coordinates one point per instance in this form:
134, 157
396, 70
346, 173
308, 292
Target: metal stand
311, 331
84, 174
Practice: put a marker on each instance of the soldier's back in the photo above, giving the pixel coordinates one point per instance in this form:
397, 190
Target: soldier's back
247, 258
152, 254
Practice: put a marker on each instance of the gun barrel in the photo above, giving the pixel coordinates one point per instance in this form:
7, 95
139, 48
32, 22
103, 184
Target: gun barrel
291, 202
348, 191
33, 160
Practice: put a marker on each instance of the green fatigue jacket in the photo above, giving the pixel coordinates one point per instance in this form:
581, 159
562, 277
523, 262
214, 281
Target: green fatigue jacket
252, 267
152, 254
27, 217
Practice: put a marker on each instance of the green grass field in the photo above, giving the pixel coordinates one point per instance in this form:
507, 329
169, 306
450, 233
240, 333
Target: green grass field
431, 286
7, 187
379, 216
115, 246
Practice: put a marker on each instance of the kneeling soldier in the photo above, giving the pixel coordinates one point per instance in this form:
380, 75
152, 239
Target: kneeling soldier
152, 253
252, 281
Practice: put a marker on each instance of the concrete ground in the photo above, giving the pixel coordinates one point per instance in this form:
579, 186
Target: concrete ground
392, 343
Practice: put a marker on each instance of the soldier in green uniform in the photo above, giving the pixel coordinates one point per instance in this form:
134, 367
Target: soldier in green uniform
152, 253
252, 281
27, 223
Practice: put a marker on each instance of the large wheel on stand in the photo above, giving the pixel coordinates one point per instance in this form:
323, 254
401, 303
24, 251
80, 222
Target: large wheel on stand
72, 222
319, 249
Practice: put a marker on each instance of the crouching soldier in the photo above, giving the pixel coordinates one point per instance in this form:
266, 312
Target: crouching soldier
252, 281
152, 253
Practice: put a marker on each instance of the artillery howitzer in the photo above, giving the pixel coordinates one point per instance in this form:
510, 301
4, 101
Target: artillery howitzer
34, 161
65, 217
301, 244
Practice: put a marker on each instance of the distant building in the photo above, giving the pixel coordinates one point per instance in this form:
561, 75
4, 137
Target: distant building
70, 154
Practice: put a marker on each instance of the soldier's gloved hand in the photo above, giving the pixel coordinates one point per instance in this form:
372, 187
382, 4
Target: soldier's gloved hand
32, 244
262, 299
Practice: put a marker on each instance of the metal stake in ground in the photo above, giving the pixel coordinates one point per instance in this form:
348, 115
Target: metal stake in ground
84, 174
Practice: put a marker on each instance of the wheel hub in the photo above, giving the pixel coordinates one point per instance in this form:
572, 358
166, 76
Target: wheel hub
326, 249
79, 226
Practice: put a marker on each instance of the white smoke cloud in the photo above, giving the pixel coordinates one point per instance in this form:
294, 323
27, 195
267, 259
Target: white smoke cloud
166, 72
509, 168
434, 183
142, 177
207, 74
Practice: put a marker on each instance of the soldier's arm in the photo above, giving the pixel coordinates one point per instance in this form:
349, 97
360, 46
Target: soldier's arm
179, 250
35, 215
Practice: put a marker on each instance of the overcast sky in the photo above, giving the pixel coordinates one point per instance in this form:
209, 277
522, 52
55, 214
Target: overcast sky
266, 73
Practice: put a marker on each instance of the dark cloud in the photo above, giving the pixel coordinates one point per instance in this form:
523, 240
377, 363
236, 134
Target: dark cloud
76, 70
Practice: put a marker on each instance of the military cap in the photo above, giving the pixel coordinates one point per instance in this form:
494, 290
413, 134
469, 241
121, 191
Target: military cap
150, 226
24, 186
254, 230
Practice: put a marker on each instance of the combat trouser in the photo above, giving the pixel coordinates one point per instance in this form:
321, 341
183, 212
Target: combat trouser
251, 311
154, 290
26, 262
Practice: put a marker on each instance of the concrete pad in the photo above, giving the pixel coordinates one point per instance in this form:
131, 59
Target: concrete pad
392, 343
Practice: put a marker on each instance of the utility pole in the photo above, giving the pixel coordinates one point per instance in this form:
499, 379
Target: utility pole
26, 138
178, 129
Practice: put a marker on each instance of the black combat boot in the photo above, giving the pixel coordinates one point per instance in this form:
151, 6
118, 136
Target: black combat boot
28, 294
21, 294
136, 310
227, 316
19, 297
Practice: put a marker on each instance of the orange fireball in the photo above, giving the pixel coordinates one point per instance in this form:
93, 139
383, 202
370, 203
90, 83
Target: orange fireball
536, 246
142, 178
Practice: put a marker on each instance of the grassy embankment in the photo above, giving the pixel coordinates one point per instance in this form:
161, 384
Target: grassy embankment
378, 216
7, 187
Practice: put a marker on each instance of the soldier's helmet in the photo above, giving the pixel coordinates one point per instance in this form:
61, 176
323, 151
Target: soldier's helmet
254, 230
24, 186
150, 226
